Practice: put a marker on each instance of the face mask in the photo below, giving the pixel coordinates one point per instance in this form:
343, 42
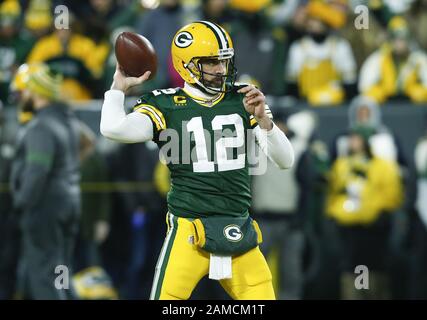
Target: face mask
318, 37
27, 106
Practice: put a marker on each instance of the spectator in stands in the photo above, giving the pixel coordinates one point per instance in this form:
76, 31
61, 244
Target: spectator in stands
159, 26
419, 279
276, 209
363, 41
139, 208
74, 55
96, 21
363, 193
384, 10
101, 10
284, 12
112, 13
397, 7
421, 165
216, 11
398, 68
14, 46
311, 174
9, 228
38, 19
365, 114
102, 19
254, 34
312, 167
321, 67
417, 20
96, 205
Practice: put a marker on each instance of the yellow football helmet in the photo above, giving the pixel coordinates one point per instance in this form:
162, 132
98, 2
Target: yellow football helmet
200, 40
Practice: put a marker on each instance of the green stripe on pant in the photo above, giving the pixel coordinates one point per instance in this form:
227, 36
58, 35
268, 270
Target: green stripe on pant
164, 258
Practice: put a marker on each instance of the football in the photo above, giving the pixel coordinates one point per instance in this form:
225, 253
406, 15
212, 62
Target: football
135, 54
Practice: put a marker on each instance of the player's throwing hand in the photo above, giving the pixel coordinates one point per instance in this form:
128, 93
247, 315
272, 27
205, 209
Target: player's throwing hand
123, 83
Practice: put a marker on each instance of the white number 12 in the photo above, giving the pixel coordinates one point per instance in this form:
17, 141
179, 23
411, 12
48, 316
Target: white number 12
203, 164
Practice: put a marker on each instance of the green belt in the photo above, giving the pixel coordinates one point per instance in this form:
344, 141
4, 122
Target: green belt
227, 236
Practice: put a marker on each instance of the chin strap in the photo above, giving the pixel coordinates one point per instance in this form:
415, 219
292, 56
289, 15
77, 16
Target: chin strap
199, 84
206, 89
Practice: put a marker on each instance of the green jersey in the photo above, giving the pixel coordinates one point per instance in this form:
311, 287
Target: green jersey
205, 148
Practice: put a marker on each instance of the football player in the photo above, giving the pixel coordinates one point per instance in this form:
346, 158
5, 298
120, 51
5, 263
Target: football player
209, 228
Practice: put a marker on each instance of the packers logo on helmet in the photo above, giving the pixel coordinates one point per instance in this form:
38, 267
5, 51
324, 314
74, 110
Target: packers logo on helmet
198, 41
183, 39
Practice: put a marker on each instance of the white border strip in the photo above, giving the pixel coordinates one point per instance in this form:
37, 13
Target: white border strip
161, 258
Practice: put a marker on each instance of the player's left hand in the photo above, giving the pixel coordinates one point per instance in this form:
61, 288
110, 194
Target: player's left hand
254, 102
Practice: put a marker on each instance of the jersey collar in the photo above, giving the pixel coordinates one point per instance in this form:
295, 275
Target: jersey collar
201, 97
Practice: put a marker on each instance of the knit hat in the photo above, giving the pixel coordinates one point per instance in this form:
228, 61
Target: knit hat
39, 15
398, 27
251, 6
45, 82
9, 12
334, 16
20, 79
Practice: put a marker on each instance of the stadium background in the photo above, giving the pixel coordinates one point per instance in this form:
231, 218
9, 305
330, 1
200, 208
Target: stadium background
124, 186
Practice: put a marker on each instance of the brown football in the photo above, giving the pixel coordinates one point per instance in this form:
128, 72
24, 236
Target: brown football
135, 54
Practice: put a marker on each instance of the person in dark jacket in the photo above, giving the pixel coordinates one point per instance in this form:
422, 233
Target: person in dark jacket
45, 189
9, 242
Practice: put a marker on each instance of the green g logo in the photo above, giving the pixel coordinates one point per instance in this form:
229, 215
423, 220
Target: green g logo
232, 232
183, 39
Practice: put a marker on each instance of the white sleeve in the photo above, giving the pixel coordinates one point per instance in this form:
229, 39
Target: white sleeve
284, 12
370, 72
421, 59
295, 61
276, 146
345, 62
117, 125
421, 156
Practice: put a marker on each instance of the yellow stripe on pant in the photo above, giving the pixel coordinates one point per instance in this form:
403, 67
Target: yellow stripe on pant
181, 265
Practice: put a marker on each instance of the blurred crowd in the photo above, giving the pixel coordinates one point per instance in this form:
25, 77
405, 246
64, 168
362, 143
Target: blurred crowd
323, 51
358, 200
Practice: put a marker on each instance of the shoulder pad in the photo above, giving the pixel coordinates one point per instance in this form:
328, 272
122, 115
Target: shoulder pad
144, 99
239, 85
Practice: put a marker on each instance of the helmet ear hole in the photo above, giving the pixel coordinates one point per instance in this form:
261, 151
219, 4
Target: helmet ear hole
192, 66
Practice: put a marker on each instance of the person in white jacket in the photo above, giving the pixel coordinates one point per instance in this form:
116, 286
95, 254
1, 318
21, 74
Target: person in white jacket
321, 64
